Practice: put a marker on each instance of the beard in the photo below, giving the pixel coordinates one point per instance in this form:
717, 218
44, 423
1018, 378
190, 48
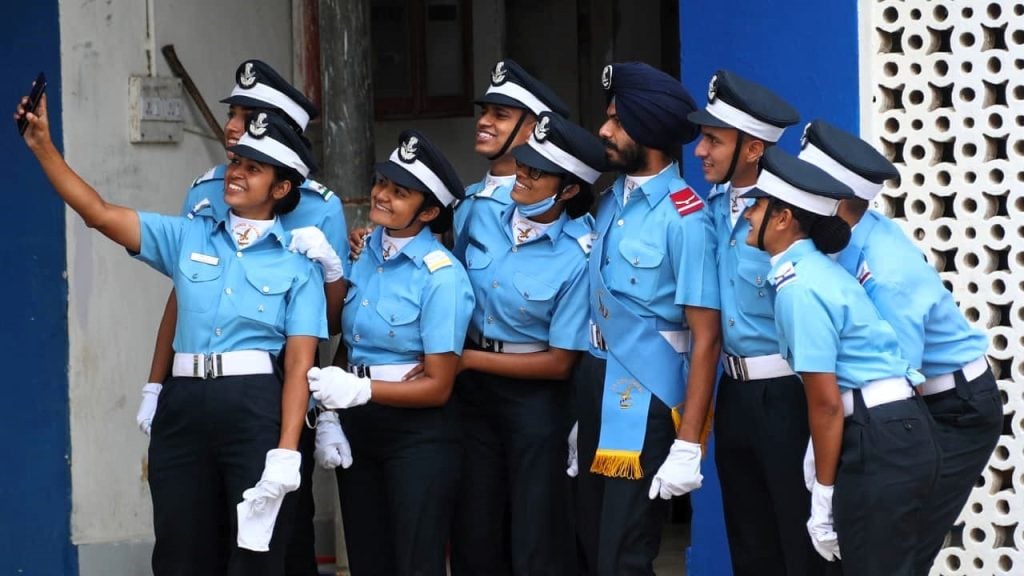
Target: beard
630, 159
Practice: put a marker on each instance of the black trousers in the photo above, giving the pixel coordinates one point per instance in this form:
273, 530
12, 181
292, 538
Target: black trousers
300, 558
208, 445
968, 421
513, 511
398, 495
887, 469
618, 528
761, 435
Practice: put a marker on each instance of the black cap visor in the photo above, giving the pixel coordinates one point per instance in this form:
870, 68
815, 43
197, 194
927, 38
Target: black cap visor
401, 177
527, 155
254, 154
755, 192
704, 118
500, 100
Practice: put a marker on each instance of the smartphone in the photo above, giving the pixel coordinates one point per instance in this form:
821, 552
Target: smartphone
38, 87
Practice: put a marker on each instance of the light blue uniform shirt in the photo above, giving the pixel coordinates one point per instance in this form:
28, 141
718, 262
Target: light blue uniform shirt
655, 260
231, 299
417, 302
933, 335
532, 292
490, 190
827, 323
748, 315
318, 206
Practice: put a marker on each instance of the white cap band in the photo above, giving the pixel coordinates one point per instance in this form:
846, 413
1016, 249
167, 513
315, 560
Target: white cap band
744, 122
427, 176
276, 150
862, 187
277, 99
517, 92
571, 163
779, 188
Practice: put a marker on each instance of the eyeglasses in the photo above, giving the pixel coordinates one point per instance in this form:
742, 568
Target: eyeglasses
531, 172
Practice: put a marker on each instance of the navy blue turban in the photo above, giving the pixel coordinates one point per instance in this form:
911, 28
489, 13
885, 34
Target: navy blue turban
651, 105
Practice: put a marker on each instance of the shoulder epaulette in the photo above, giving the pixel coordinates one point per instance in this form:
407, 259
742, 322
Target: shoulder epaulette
436, 260
211, 174
863, 273
324, 192
786, 274
686, 201
199, 207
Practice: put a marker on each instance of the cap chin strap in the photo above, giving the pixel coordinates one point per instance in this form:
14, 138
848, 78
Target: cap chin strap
735, 157
764, 223
511, 137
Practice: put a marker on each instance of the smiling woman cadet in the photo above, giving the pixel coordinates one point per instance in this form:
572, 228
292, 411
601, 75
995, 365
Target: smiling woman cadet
409, 299
875, 456
238, 306
528, 266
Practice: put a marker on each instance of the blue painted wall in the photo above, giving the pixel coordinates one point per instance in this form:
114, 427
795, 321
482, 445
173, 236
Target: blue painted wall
806, 51
35, 485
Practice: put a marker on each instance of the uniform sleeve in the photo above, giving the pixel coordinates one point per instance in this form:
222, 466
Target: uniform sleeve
807, 329
161, 240
691, 247
335, 229
447, 306
307, 306
571, 316
906, 311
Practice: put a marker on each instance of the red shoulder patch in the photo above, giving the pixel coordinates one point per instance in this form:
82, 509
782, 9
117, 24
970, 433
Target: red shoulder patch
686, 201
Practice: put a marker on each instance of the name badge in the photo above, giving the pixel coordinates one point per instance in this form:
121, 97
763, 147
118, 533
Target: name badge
211, 260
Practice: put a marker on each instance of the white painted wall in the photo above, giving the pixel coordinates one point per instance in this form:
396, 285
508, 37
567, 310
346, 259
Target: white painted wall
114, 302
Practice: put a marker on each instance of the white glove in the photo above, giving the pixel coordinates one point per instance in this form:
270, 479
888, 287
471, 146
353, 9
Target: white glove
332, 447
311, 241
147, 408
819, 526
335, 388
574, 461
257, 512
810, 472
679, 474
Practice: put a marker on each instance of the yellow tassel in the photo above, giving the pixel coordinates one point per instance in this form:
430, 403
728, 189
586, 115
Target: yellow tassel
677, 417
617, 464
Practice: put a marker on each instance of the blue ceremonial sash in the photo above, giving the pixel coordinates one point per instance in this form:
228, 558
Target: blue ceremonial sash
640, 363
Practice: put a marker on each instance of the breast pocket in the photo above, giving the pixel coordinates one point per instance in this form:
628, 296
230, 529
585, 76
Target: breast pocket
476, 259
265, 299
752, 288
642, 270
199, 289
535, 299
401, 330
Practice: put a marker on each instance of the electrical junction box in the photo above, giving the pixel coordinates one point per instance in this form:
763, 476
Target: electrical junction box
156, 110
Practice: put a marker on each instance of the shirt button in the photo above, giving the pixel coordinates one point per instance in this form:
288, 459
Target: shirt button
607, 261
365, 302
259, 308
632, 280
620, 222
357, 337
239, 253
227, 291
194, 276
490, 319
391, 333
266, 289
380, 269
732, 242
217, 332
515, 249
494, 284
732, 321
760, 292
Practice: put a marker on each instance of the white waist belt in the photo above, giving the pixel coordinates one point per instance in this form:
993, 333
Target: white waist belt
937, 384
756, 367
679, 340
492, 345
878, 392
236, 363
385, 372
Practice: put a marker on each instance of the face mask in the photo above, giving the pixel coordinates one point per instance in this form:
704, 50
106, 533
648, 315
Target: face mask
537, 208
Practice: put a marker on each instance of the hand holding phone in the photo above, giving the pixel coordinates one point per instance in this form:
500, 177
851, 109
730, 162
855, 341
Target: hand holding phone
38, 88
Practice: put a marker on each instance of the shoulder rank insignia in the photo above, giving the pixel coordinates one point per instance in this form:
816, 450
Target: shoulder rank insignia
436, 260
863, 273
785, 275
686, 201
319, 188
210, 174
202, 204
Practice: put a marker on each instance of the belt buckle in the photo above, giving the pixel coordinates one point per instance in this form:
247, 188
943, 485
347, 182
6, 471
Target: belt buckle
214, 366
361, 370
491, 344
737, 367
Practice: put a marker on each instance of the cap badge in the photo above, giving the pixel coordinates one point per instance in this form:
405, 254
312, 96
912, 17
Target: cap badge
258, 126
407, 151
540, 131
248, 76
499, 73
803, 137
713, 88
606, 77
